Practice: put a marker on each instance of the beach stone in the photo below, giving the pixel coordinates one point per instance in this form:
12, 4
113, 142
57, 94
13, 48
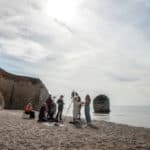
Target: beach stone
101, 104
21, 134
16, 91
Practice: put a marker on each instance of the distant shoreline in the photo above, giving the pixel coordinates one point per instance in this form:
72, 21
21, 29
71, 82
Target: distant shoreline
103, 116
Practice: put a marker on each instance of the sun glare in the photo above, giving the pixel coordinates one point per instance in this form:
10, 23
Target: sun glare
64, 10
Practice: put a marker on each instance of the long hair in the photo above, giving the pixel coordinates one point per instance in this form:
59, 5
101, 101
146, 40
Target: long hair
87, 97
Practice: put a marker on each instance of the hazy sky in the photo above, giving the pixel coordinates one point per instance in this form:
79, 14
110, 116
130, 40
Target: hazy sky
92, 46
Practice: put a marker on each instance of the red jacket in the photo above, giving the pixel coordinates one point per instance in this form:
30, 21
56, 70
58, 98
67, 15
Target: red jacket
49, 102
28, 108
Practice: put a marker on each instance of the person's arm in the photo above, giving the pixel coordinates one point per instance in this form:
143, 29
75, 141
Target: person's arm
82, 103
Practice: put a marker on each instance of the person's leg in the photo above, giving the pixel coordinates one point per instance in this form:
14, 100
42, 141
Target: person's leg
27, 113
40, 117
57, 116
48, 112
74, 114
51, 116
60, 115
79, 116
85, 111
44, 120
87, 115
31, 114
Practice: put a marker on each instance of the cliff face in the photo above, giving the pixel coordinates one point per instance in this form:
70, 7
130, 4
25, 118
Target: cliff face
16, 91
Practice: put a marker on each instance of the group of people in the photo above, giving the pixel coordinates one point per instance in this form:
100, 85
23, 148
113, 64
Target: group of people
48, 109
77, 105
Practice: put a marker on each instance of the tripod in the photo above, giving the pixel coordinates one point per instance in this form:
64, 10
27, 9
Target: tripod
67, 110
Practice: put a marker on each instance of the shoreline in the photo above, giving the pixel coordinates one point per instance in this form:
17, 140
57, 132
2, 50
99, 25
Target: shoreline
22, 134
93, 120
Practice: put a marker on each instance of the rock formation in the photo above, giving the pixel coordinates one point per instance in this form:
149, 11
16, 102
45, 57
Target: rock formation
101, 104
16, 91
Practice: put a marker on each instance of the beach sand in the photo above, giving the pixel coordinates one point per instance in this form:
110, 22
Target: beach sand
23, 134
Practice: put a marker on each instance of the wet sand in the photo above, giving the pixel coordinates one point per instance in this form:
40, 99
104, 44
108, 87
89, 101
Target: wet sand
23, 134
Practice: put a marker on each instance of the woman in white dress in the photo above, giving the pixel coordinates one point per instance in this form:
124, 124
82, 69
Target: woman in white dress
76, 108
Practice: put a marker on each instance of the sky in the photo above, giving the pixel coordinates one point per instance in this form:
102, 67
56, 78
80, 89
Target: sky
94, 47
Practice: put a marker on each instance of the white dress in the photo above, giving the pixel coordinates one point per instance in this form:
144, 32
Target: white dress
76, 108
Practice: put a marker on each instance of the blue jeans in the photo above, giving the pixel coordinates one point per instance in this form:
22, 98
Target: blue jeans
87, 114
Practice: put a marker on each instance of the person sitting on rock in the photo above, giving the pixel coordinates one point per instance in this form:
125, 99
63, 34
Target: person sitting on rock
29, 110
42, 113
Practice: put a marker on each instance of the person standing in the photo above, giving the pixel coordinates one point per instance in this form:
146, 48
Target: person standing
48, 105
79, 107
60, 103
76, 108
87, 109
52, 111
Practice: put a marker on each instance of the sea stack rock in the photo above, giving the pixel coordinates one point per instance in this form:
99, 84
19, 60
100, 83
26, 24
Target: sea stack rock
16, 91
101, 104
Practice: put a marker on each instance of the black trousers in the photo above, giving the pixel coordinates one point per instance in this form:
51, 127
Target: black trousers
59, 115
31, 113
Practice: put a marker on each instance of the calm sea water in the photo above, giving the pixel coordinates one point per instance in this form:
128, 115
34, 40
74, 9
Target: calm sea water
132, 115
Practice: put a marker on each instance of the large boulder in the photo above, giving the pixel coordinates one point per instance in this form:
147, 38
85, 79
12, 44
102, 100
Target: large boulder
16, 91
101, 104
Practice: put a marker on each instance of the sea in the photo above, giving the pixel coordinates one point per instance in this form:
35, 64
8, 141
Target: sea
138, 116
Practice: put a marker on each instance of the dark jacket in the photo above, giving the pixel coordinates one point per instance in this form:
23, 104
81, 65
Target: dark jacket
60, 104
49, 103
42, 113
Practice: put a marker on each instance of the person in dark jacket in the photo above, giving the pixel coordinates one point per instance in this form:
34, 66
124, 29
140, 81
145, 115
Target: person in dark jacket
48, 106
60, 103
52, 111
42, 114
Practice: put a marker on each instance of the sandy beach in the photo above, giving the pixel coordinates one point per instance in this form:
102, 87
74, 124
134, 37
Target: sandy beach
23, 134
